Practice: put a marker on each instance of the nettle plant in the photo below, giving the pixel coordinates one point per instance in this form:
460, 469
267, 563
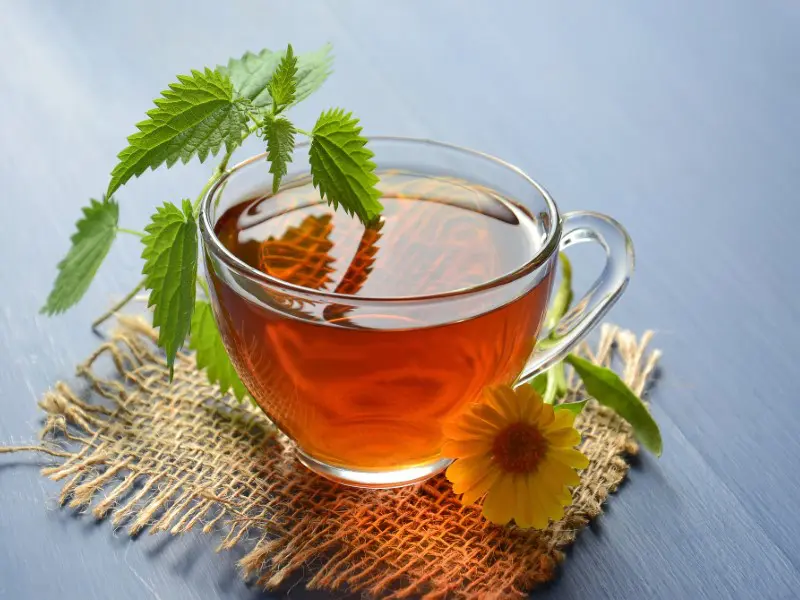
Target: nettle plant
212, 112
204, 114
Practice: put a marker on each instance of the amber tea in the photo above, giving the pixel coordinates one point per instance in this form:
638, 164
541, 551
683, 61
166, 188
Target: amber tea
356, 386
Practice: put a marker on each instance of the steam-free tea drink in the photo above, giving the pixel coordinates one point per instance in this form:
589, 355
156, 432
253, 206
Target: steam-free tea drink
355, 384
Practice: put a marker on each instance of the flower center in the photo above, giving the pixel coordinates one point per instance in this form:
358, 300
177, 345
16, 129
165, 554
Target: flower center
519, 448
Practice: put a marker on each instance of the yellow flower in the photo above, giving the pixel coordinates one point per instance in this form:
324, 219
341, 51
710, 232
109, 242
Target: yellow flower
519, 452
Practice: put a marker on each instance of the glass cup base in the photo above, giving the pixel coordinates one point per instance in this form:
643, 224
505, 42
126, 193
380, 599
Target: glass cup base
378, 480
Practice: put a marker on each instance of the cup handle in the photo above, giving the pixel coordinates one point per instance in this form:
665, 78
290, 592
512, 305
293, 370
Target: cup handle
579, 227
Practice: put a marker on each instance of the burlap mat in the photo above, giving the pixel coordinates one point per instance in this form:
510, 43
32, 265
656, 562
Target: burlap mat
147, 454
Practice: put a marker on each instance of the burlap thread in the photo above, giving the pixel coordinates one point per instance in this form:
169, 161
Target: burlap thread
146, 454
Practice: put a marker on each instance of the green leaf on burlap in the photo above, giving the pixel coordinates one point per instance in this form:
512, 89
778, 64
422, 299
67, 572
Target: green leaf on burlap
608, 389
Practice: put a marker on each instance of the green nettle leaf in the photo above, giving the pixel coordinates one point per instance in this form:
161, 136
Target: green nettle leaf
194, 117
170, 269
283, 84
574, 407
313, 68
252, 73
280, 146
609, 390
341, 167
210, 352
90, 245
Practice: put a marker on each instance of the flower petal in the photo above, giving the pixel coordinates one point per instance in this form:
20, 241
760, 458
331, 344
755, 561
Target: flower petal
476, 421
526, 393
500, 501
554, 486
555, 510
526, 509
479, 488
551, 506
564, 497
562, 418
464, 472
547, 416
553, 470
531, 403
464, 448
504, 400
538, 514
565, 437
467, 427
569, 456
490, 415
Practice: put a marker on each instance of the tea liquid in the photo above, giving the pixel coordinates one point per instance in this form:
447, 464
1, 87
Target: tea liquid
367, 385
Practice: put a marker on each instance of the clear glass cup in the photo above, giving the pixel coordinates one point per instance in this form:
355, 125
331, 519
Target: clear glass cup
334, 390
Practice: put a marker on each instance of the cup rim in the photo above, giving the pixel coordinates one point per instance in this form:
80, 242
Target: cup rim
234, 263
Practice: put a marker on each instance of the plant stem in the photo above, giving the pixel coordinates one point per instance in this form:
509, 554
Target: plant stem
218, 173
202, 283
110, 313
550, 390
256, 119
206, 187
561, 379
223, 165
139, 234
304, 132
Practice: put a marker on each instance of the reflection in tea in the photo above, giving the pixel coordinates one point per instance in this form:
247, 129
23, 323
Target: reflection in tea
361, 388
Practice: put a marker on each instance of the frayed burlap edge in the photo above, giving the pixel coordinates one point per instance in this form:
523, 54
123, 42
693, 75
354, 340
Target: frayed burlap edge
174, 457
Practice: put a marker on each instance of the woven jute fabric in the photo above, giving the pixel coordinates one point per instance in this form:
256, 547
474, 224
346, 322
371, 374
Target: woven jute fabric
142, 452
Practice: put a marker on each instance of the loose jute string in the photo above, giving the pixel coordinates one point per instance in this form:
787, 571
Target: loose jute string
144, 453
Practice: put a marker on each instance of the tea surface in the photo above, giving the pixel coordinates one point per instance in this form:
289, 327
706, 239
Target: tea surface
435, 235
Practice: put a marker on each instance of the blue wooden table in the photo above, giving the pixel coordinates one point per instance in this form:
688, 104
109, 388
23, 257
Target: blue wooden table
679, 118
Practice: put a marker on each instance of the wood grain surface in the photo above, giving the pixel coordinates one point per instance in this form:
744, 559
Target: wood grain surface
681, 119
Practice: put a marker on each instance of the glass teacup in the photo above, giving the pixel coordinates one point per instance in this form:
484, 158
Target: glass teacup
362, 371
